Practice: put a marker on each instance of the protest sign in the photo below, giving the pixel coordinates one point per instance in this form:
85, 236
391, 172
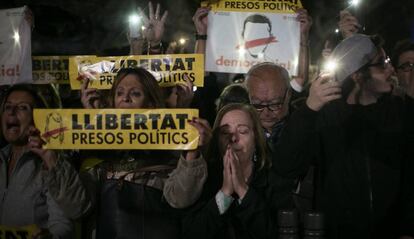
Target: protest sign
168, 70
117, 128
15, 47
244, 33
50, 69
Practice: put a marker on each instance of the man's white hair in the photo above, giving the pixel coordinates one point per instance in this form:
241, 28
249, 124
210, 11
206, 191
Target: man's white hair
269, 65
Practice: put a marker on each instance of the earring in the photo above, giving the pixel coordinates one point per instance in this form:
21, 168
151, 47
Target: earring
254, 157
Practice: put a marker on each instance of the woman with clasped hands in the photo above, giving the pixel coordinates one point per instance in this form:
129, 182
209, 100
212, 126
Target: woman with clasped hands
242, 195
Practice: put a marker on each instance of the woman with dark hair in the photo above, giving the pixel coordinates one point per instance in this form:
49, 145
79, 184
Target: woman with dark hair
136, 190
37, 187
242, 195
144, 89
138, 80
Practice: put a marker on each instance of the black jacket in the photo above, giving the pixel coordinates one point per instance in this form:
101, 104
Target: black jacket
364, 166
255, 217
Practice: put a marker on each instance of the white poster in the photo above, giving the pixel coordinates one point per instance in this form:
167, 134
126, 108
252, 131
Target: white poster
241, 34
15, 47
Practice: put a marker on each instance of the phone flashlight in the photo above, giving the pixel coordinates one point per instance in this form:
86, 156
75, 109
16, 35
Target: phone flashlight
134, 30
354, 3
182, 41
330, 66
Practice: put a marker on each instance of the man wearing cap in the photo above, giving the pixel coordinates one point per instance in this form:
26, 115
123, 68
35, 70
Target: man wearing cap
357, 134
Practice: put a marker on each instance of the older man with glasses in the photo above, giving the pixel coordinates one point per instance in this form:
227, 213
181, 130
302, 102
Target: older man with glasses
269, 92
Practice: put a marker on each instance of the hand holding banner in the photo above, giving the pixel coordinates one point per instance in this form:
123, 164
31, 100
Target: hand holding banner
168, 70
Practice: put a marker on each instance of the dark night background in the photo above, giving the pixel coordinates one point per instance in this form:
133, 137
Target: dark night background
76, 27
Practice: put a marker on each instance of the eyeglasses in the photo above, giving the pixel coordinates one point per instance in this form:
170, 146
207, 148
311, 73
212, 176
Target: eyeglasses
382, 63
21, 107
406, 67
272, 106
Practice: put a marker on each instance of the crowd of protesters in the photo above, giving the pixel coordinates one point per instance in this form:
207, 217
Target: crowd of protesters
341, 144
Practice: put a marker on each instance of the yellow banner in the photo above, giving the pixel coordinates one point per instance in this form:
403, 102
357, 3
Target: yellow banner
25, 232
273, 6
50, 69
168, 70
117, 128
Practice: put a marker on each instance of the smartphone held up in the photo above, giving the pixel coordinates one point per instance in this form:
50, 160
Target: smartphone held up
134, 22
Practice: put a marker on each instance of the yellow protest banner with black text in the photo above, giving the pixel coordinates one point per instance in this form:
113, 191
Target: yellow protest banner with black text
168, 70
50, 69
26, 232
163, 129
276, 6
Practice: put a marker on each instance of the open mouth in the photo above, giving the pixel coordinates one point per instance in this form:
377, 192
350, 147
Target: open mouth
12, 125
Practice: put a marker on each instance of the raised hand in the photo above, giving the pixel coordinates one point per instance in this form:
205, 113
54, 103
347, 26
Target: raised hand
327, 51
323, 90
90, 97
204, 130
35, 144
29, 17
348, 24
305, 21
154, 25
185, 93
200, 20
205, 133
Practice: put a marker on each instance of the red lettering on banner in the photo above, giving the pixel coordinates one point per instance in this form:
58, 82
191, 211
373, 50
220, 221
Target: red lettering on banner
249, 63
9, 71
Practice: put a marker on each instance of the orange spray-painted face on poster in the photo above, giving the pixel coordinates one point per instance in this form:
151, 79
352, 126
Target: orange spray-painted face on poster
257, 35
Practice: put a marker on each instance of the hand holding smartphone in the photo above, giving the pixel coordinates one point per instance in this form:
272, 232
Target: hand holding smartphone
134, 26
